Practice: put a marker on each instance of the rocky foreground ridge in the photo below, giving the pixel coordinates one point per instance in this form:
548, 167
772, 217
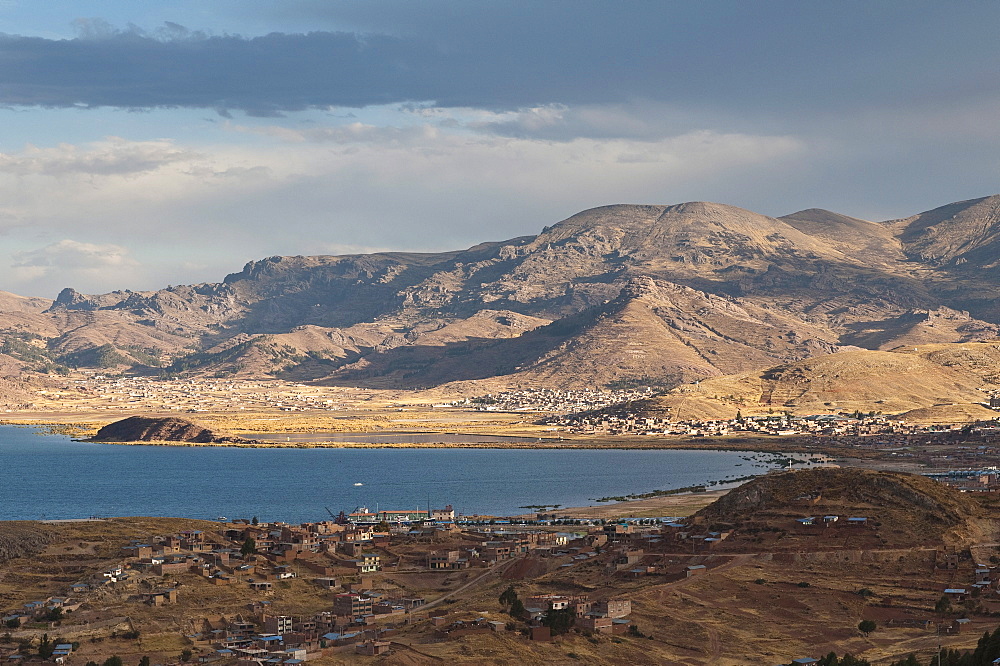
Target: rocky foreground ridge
614, 296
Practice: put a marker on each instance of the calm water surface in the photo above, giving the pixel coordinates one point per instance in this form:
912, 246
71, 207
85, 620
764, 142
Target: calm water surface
53, 477
392, 437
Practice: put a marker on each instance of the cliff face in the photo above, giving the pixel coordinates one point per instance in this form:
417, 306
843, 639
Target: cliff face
655, 294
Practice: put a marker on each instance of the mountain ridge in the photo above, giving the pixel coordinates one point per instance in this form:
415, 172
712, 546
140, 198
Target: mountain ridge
620, 293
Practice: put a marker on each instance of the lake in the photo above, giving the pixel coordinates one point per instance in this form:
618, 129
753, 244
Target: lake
52, 477
392, 438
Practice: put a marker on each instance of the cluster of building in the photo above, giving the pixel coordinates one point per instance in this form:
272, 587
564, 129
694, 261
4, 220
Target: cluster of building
258, 637
44, 610
986, 480
198, 394
859, 429
552, 400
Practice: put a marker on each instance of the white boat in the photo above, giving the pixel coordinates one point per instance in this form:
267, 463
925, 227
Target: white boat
359, 484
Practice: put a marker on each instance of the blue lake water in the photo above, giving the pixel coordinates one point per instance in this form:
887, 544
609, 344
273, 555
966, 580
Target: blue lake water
53, 477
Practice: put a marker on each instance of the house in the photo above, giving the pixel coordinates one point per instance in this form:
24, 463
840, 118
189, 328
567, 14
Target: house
162, 597
277, 624
446, 514
958, 625
446, 559
373, 648
613, 608
352, 605
598, 625
326, 583
541, 634
367, 563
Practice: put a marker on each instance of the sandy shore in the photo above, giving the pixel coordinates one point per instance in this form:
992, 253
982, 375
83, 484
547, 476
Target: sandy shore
654, 507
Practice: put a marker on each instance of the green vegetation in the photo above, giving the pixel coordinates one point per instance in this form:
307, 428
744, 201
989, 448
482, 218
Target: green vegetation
986, 651
847, 660
37, 358
248, 548
559, 621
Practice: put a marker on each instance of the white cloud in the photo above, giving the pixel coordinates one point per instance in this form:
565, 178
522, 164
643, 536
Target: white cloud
71, 254
348, 188
69, 262
112, 157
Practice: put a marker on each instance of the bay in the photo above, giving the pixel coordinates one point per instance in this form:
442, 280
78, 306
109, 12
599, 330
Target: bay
46, 476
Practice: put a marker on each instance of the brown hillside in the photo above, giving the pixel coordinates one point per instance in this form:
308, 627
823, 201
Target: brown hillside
902, 509
20, 539
966, 232
920, 327
13, 303
889, 382
853, 237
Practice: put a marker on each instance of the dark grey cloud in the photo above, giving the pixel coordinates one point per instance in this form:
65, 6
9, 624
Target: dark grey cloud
750, 58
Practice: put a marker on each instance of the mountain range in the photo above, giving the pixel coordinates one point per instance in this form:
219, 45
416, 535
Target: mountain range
616, 296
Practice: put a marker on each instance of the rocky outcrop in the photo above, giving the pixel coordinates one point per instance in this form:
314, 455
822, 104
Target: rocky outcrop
167, 429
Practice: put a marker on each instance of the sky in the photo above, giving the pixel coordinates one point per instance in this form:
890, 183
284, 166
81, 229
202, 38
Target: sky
144, 144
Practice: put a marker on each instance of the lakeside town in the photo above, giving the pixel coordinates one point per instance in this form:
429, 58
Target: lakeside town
374, 583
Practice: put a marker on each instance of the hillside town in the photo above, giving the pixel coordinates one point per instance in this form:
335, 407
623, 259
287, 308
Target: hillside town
357, 567
367, 584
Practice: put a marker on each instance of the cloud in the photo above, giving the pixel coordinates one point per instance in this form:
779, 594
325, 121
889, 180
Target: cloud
70, 262
355, 132
74, 255
762, 58
112, 157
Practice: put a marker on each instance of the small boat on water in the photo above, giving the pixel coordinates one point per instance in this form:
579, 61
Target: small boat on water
359, 484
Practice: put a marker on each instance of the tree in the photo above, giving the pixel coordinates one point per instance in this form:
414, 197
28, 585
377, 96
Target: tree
13, 623
249, 547
847, 660
909, 661
866, 626
113, 661
508, 596
45, 647
186, 654
382, 527
943, 605
54, 614
144, 661
559, 621
254, 521
517, 609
